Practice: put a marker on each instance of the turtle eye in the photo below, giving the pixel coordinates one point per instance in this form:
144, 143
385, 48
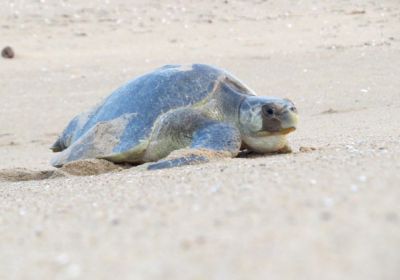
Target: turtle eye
293, 109
268, 110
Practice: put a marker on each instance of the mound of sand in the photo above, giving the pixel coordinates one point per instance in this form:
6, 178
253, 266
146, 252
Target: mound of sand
90, 167
85, 167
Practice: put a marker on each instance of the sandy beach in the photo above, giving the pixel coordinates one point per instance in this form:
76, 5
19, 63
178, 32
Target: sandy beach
329, 210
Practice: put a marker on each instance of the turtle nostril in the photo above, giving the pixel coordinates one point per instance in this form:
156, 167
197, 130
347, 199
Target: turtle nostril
293, 109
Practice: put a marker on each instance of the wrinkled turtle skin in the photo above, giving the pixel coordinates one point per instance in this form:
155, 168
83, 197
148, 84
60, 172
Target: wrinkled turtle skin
188, 112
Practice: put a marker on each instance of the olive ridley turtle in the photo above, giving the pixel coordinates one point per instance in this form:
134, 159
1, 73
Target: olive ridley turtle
178, 115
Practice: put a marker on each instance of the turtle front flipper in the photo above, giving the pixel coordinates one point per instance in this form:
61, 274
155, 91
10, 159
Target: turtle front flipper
212, 141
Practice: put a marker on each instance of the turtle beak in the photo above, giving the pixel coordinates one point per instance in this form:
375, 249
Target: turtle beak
287, 130
289, 121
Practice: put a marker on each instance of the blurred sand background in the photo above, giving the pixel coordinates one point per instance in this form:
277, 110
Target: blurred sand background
328, 213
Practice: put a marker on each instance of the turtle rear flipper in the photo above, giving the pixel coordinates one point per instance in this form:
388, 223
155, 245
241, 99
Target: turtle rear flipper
65, 138
57, 146
98, 142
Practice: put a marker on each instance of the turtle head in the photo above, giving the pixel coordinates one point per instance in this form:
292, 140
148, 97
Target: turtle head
265, 121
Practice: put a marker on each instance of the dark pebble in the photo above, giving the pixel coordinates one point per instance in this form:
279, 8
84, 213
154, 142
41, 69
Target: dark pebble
7, 52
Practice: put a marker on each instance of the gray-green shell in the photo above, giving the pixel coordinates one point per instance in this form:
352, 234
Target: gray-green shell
123, 122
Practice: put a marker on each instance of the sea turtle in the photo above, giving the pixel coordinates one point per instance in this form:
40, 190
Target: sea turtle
178, 115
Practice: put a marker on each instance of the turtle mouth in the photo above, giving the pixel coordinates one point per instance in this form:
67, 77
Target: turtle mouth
283, 131
287, 130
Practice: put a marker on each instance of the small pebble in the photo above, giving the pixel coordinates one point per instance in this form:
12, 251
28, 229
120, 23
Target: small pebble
8, 52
